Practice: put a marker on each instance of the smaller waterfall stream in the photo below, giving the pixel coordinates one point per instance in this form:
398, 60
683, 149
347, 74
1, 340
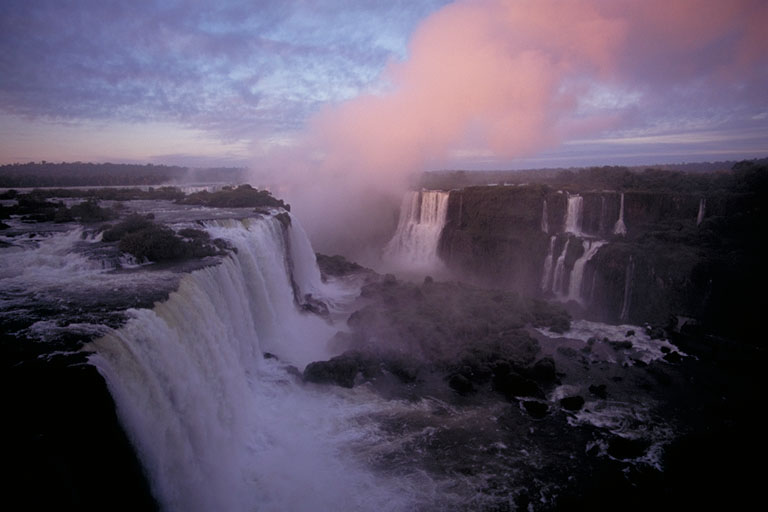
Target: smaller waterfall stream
702, 211
422, 218
619, 228
577, 274
574, 214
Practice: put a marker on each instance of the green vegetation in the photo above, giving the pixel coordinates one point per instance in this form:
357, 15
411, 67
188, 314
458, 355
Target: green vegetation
700, 178
80, 174
102, 194
145, 239
240, 197
34, 209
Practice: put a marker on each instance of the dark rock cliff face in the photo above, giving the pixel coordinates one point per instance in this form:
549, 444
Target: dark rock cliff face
682, 254
493, 235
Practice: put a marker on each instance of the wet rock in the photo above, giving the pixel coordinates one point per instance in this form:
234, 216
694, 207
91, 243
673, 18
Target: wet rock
598, 390
568, 352
460, 384
624, 448
572, 403
315, 306
269, 355
511, 384
658, 373
629, 333
621, 345
673, 357
544, 370
340, 370
536, 410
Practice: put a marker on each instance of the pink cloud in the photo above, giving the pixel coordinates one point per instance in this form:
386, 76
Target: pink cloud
510, 76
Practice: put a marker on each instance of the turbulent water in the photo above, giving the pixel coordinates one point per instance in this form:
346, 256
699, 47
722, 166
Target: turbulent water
218, 426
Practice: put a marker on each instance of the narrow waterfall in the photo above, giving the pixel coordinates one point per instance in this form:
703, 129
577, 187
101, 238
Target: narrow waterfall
601, 228
619, 228
574, 213
577, 274
628, 278
702, 210
544, 218
557, 285
422, 218
217, 426
546, 277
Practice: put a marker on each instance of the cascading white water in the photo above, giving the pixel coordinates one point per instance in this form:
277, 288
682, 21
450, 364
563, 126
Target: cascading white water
546, 278
702, 211
619, 228
574, 214
544, 218
216, 426
577, 274
422, 218
557, 285
602, 214
628, 280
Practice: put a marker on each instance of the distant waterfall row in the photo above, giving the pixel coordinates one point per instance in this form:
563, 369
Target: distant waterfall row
422, 218
537, 241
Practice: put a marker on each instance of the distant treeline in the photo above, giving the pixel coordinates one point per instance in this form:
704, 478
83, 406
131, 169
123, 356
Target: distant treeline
701, 177
80, 174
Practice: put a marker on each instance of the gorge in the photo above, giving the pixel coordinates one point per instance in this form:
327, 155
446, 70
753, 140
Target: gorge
191, 352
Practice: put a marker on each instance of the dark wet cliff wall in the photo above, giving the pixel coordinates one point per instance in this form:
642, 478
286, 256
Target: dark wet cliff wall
690, 254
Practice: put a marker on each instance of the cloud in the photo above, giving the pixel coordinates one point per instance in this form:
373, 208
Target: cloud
233, 68
516, 77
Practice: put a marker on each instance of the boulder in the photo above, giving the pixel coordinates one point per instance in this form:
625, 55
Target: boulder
340, 370
572, 403
511, 384
460, 384
536, 410
544, 370
625, 448
598, 390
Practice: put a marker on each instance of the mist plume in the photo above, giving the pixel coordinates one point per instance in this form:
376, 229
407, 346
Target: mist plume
510, 78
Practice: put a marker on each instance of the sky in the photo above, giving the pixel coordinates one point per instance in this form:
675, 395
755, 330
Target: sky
371, 89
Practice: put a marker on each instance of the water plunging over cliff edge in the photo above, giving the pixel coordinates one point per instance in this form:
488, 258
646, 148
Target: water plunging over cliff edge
217, 426
415, 243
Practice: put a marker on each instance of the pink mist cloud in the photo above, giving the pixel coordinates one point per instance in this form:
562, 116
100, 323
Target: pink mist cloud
510, 77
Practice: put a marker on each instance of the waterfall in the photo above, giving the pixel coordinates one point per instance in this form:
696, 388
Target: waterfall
557, 285
546, 278
217, 426
601, 229
627, 303
422, 218
544, 219
577, 274
702, 211
573, 215
619, 228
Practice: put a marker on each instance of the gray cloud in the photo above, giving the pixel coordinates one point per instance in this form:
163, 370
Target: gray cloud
235, 68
